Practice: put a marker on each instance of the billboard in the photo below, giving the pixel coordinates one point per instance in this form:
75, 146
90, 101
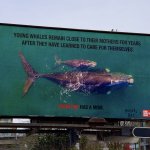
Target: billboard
60, 72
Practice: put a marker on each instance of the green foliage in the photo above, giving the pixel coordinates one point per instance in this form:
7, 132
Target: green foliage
60, 142
57, 141
83, 142
115, 146
52, 142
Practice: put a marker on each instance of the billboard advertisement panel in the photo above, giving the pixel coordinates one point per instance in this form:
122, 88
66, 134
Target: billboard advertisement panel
60, 72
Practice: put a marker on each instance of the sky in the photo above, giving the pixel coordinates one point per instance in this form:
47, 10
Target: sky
120, 15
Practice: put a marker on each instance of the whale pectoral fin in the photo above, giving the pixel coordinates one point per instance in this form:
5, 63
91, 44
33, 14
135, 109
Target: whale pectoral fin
108, 92
107, 70
27, 85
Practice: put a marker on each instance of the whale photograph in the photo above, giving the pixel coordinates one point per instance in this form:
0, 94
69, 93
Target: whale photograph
87, 81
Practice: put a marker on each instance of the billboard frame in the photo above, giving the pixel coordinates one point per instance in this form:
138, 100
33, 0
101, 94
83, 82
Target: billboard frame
72, 29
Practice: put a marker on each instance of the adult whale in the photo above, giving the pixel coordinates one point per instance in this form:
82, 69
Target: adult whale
77, 80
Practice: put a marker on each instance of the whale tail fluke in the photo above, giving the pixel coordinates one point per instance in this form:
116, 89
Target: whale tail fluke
32, 75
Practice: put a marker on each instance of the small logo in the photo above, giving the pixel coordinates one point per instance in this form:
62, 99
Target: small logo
146, 113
